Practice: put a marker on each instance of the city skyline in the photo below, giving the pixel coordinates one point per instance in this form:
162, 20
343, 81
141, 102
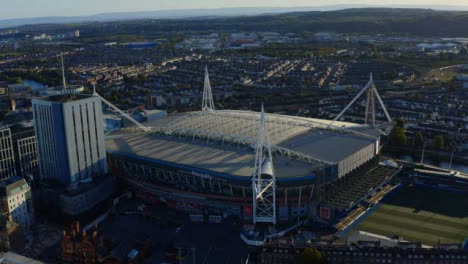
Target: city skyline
222, 132
46, 8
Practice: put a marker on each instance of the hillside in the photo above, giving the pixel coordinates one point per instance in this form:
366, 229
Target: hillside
418, 22
368, 20
374, 20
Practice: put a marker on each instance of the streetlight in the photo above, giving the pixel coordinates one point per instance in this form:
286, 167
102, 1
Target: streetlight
422, 154
193, 255
423, 148
453, 147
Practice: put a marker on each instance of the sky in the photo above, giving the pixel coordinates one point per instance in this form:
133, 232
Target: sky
40, 8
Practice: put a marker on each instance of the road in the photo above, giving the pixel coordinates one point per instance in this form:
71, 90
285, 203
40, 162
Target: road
210, 243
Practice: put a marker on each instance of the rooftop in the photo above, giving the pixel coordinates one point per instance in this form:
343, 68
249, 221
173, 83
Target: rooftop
228, 161
13, 258
221, 141
60, 90
64, 98
12, 186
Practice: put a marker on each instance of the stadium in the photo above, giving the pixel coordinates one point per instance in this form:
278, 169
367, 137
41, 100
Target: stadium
203, 161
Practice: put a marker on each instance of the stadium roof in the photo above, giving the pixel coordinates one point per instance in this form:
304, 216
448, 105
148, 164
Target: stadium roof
221, 141
212, 157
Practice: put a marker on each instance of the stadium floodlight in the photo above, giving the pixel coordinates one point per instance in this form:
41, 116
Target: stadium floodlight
370, 104
207, 103
263, 180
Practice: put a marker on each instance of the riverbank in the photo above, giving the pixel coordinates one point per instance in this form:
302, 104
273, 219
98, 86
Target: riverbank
34, 84
431, 157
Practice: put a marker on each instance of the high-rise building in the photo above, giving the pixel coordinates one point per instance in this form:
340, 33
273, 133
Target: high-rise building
21, 127
27, 157
70, 137
7, 158
72, 156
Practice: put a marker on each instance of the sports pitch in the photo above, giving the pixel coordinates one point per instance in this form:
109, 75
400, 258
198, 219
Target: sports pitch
421, 214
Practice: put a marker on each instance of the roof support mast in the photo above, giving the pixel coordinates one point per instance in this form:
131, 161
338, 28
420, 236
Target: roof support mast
370, 108
370, 104
263, 180
207, 103
111, 105
63, 72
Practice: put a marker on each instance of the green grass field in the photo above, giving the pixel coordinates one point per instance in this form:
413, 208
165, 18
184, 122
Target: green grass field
421, 214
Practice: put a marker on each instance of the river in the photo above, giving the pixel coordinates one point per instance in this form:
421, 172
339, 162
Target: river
34, 85
439, 163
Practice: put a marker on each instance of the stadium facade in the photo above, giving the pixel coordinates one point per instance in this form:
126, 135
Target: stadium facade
205, 159
231, 162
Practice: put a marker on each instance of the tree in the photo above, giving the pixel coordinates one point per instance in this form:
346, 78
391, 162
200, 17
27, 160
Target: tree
398, 136
309, 54
438, 142
115, 96
400, 123
418, 139
3, 114
311, 256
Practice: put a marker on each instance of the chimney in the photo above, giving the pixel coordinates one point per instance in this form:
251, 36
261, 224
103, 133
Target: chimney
95, 233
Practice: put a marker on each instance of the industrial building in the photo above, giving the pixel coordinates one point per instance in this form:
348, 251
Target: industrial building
140, 45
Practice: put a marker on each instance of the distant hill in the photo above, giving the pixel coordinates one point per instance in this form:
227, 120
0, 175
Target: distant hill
422, 22
165, 14
191, 13
419, 22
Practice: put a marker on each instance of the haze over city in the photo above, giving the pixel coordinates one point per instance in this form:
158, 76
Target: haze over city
43, 8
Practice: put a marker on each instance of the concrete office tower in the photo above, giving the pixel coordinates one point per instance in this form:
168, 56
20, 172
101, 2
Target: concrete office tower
70, 137
27, 157
7, 158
